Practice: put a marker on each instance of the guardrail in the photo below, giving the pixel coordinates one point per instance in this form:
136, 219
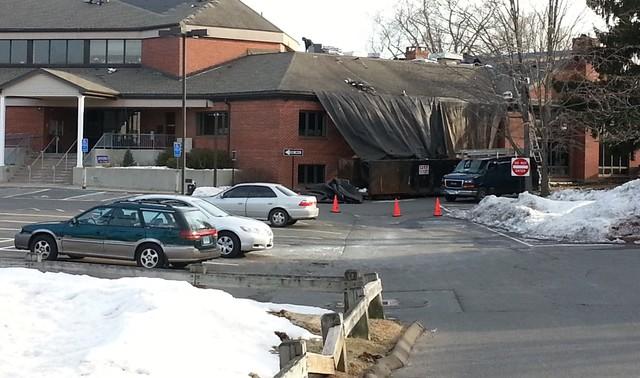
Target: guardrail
112, 141
64, 158
363, 301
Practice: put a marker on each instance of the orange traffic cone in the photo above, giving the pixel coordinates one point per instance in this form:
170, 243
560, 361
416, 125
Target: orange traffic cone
336, 207
396, 209
438, 211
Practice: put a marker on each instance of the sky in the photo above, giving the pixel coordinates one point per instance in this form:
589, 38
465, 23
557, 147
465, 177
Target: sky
348, 24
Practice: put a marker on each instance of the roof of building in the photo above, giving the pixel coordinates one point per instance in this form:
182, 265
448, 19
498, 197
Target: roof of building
295, 74
79, 15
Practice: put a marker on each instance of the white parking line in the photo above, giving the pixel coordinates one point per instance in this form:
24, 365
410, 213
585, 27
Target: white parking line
313, 231
15, 221
116, 198
9, 229
83, 196
445, 209
34, 215
60, 210
6, 240
28, 193
507, 236
219, 263
10, 249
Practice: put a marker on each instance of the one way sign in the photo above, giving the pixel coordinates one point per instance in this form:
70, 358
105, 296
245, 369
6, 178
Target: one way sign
293, 152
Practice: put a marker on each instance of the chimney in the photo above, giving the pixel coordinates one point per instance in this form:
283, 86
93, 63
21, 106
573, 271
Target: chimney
416, 52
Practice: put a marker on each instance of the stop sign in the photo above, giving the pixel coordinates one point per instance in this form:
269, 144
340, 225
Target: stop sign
520, 167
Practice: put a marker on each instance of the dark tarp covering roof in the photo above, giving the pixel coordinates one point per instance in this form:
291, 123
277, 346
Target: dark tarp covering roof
410, 127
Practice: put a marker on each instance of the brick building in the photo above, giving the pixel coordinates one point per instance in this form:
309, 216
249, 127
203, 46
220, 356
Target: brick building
112, 74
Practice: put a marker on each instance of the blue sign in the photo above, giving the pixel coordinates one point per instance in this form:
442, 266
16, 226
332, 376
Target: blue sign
177, 149
85, 145
103, 159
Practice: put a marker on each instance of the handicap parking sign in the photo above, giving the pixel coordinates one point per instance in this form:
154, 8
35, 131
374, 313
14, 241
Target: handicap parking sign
177, 149
85, 145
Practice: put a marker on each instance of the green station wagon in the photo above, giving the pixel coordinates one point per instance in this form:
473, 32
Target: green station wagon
151, 234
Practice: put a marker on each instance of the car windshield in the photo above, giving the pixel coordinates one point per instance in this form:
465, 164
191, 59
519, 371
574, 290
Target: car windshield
286, 191
197, 220
209, 208
471, 166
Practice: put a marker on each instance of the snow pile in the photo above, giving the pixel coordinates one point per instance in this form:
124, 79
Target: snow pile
58, 325
209, 191
589, 216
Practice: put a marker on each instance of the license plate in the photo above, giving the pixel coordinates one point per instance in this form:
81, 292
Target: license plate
206, 240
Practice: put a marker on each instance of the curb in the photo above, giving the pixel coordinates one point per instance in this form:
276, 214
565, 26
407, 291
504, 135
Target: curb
399, 356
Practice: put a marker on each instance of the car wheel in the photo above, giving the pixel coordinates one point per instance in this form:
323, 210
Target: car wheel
45, 246
229, 244
150, 256
278, 218
481, 194
450, 198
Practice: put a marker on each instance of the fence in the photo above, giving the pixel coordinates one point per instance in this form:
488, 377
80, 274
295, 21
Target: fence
362, 301
135, 141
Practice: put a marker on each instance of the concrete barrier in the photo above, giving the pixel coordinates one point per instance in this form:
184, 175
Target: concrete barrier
146, 178
115, 157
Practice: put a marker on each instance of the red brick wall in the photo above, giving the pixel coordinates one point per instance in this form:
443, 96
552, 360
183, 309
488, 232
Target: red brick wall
516, 130
584, 158
27, 120
165, 54
262, 129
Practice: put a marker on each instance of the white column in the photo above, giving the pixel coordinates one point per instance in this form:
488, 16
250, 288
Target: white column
3, 112
80, 156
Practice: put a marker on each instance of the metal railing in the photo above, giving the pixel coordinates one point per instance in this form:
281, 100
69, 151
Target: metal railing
41, 156
64, 158
17, 141
113, 141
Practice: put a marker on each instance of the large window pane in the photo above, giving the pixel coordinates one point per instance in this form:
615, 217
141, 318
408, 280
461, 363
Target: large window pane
98, 52
58, 52
75, 52
40, 52
115, 52
19, 52
134, 52
5, 51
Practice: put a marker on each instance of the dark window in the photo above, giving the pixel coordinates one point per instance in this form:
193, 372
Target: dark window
58, 52
213, 123
310, 174
133, 52
75, 52
125, 218
5, 52
19, 52
262, 192
99, 216
98, 52
312, 124
115, 52
239, 192
159, 219
41, 52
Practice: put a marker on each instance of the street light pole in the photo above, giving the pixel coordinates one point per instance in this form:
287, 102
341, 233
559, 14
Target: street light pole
184, 110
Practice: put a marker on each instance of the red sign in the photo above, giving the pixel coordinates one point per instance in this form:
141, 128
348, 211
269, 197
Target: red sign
520, 167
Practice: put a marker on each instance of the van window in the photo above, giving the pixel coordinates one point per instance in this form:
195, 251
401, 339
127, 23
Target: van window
471, 166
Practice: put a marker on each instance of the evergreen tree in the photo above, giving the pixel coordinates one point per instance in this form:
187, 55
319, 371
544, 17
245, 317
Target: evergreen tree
128, 160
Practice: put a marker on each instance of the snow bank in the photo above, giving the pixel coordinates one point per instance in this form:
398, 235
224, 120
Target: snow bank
570, 215
209, 191
58, 325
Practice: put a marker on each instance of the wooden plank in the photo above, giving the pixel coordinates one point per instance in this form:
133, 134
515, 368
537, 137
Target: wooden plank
320, 364
334, 343
310, 283
296, 368
354, 316
372, 290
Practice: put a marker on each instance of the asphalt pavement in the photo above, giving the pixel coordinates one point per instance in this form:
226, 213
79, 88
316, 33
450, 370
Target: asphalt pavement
495, 304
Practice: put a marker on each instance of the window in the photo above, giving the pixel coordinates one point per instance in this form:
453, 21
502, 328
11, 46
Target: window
310, 174
239, 192
213, 123
262, 192
99, 216
5, 52
75, 52
286, 191
197, 220
98, 52
58, 52
159, 219
40, 52
115, 52
125, 218
312, 124
133, 53
19, 52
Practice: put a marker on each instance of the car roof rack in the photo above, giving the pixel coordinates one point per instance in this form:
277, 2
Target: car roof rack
485, 153
142, 201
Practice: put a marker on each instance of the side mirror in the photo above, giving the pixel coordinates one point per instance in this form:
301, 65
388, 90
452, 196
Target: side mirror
73, 221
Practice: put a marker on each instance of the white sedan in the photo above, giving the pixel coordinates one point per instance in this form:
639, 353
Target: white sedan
273, 202
236, 235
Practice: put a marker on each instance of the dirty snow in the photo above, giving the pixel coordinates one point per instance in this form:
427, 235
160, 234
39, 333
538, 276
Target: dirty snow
209, 191
570, 215
58, 325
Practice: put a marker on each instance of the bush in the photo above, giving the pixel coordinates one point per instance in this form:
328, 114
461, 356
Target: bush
128, 160
197, 159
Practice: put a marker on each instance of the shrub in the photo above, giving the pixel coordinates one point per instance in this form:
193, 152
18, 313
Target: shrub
204, 159
128, 160
166, 159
